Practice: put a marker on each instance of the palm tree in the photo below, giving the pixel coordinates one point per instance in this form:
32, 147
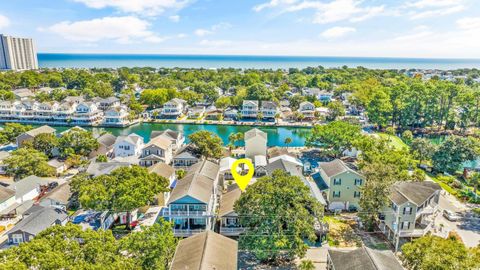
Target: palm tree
288, 141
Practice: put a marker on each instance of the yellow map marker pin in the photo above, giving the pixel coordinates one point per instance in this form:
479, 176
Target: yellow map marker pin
242, 180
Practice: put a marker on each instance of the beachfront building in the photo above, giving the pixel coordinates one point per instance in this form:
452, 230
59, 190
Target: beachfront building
192, 202
341, 185
250, 109
17, 53
269, 110
159, 149
307, 109
107, 103
411, 212
87, 113
255, 143
116, 116
126, 146
174, 108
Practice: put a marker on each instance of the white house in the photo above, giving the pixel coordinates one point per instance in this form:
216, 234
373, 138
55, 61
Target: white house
255, 143
250, 109
130, 145
29, 187
269, 109
87, 113
107, 103
7, 198
174, 108
307, 109
159, 149
176, 137
117, 116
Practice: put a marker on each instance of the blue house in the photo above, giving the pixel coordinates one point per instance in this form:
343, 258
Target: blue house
192, 202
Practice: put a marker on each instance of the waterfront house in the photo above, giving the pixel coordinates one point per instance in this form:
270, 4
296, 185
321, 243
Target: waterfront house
341, 185
107, 103
58, 197
174, 108
230, 114
229, 223
362, 258
186, 156
255, 143
192, 203
74, 99
87, 113
116, 116
159, 149
206, 251
269, 110
250, 109
411, 211
214, 114
30, 135
35, 220
196, 112
176, 137
307, 109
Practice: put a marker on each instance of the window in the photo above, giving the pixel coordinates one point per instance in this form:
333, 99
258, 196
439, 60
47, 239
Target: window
17, 238
147, 152
127, 147
356, 194
394, 207
358, 182
337, 182
407, 210
336, 194
405, 225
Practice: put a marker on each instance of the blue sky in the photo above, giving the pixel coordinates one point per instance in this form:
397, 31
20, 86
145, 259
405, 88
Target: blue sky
411, 28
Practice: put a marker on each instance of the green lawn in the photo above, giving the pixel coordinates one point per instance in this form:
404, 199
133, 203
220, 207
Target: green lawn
445, 186
394, 140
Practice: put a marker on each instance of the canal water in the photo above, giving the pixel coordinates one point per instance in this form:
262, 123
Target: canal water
276, 135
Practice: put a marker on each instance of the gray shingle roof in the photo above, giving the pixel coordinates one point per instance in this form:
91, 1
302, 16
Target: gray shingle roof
28, 184
101, 168
5, 194
254, 133
333, 167
206, 251
39, 220
227, 202
40, 130
107, 139
364, 259
415, 192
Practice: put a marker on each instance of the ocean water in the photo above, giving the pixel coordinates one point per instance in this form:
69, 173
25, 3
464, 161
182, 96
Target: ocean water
61, 60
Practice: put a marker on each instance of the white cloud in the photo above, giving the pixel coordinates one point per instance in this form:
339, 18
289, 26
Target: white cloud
141, 7
337, 32
432, 8
123, 30
328, 12
201, 32
174, 18
4, 22
469, 23
215, 43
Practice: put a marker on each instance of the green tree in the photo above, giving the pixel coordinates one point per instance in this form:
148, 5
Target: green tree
453, 152
125, 189
58, 247
407, 136
24, 162
77, 141
259, 92
280, 214
208, 144
375, 191
223, 102
306, 265
422, 149
12, 130
335, 110
288, 141
152, 248
45, 143
235, 137
101, 158
433, 252
335, 137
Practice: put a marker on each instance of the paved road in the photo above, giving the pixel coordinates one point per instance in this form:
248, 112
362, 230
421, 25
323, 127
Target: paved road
468, 228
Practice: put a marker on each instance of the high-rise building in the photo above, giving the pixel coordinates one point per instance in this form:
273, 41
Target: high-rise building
17, 53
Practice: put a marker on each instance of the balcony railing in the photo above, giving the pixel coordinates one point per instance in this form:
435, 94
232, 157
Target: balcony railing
186, 213
231, 230
186, 232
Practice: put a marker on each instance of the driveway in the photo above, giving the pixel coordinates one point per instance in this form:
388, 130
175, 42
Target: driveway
468, 228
